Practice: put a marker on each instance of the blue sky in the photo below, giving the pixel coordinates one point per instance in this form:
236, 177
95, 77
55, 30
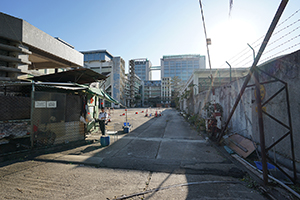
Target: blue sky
153, 28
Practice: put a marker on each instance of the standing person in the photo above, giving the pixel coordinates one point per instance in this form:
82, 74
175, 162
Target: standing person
102, 120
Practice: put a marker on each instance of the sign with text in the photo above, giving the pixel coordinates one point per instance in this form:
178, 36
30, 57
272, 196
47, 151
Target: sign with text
45, 104
51, 104
40, 104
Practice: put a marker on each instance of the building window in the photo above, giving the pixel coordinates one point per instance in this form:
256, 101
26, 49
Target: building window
97, 56
90, 56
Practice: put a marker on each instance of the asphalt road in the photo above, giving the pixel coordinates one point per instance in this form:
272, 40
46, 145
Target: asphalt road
161, 158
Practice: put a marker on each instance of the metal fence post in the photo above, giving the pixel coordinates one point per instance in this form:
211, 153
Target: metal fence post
259, 54
261, 127
31, 114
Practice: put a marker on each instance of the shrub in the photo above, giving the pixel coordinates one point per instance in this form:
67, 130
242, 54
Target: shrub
210, 108
193, 119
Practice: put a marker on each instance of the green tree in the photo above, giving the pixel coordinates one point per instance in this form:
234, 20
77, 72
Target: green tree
176, 86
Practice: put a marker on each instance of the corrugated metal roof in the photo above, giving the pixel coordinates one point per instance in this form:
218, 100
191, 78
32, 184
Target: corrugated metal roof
81, 76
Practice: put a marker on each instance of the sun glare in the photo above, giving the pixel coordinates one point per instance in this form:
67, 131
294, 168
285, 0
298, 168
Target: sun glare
229, 38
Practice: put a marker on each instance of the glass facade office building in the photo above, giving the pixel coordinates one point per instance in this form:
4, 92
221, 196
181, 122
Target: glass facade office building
152, 93
102, 61
182, 66
142, 69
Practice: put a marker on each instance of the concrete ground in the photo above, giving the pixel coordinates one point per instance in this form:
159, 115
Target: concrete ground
161, 158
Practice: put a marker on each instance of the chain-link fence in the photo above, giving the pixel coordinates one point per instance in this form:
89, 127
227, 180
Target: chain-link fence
34, 115
15, 117
56, 116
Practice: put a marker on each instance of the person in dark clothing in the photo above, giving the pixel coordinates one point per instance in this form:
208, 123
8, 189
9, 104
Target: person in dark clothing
102, 120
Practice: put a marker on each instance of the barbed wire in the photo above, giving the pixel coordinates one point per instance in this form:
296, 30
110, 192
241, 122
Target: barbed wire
273, 49
283, 36
244, 55
286, 27
247, 58
273, 42
288, 18
284, 50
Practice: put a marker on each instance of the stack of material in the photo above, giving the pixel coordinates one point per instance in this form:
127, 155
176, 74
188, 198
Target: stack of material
14, 130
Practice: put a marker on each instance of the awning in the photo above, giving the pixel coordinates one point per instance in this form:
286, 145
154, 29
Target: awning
70, 87
77, 87
81, 76
102, 94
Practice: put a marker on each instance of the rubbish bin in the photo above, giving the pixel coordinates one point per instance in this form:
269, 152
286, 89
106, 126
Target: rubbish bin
104, 141
126, 127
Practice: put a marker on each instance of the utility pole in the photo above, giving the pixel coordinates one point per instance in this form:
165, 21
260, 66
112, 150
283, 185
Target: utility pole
208, 42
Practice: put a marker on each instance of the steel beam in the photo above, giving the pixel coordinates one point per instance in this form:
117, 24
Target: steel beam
259, 54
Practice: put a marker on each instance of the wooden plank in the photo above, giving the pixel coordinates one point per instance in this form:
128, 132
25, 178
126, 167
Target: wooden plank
241, 145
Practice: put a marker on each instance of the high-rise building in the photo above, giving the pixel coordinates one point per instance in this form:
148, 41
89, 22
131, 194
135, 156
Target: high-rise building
181, 66
102, 62
142, 68
166, 92
138, 91
152, 93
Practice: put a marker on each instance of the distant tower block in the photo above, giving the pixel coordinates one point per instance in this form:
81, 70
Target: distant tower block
132, 75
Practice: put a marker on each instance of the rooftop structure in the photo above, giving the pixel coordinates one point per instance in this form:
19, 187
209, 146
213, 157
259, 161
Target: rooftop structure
200, 80
104, 62
142, 67
25, 49
181, 66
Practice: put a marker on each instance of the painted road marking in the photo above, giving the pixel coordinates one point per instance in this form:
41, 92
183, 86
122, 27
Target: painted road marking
164, 139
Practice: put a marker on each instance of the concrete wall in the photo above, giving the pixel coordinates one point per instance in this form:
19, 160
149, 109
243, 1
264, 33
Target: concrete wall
19, 30
36, 38
13, 27
286, 69
245, 120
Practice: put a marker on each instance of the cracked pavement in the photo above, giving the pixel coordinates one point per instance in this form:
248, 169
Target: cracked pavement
161, 158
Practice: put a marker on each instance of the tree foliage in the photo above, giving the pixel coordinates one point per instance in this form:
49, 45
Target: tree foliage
176, 85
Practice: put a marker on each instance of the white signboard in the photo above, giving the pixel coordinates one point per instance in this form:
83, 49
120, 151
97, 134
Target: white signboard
45, 104
40, 104
51, 104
